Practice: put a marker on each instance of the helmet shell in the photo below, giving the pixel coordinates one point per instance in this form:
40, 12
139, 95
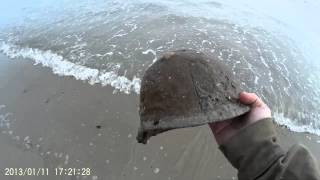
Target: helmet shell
186, 88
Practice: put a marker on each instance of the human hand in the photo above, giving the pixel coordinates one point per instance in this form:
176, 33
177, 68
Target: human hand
224, 130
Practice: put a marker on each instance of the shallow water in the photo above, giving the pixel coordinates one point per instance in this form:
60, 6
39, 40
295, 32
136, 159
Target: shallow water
114, 42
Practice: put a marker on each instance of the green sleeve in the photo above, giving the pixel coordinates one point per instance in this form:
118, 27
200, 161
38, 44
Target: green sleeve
257, 155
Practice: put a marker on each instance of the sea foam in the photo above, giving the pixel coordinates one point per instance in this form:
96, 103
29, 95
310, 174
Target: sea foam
289, 123
63, 67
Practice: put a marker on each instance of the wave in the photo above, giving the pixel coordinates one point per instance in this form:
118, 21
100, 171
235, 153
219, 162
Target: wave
63, 67
289, 124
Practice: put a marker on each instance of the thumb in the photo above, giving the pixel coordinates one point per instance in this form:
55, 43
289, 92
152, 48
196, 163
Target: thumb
250, 99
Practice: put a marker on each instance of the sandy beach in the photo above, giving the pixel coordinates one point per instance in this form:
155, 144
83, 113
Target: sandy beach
48, 121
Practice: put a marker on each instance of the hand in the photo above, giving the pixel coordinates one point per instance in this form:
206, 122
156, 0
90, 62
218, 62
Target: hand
224, 130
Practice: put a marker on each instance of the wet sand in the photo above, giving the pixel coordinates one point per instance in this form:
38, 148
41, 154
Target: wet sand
49, 121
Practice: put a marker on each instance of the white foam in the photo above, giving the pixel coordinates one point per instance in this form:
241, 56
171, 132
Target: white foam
281, 120
63, 67
151, 51
5, 121
256, 78
105, 54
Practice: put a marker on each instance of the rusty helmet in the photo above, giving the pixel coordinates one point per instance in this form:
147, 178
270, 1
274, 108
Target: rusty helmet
186, 88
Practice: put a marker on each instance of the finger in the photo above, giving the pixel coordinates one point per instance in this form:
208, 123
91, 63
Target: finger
250, 99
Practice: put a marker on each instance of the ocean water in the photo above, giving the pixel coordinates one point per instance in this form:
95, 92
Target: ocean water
271, 46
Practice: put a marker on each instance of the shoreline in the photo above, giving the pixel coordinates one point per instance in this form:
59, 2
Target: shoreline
57, 121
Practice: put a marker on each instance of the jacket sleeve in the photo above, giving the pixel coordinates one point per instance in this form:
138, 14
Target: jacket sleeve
257, 155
